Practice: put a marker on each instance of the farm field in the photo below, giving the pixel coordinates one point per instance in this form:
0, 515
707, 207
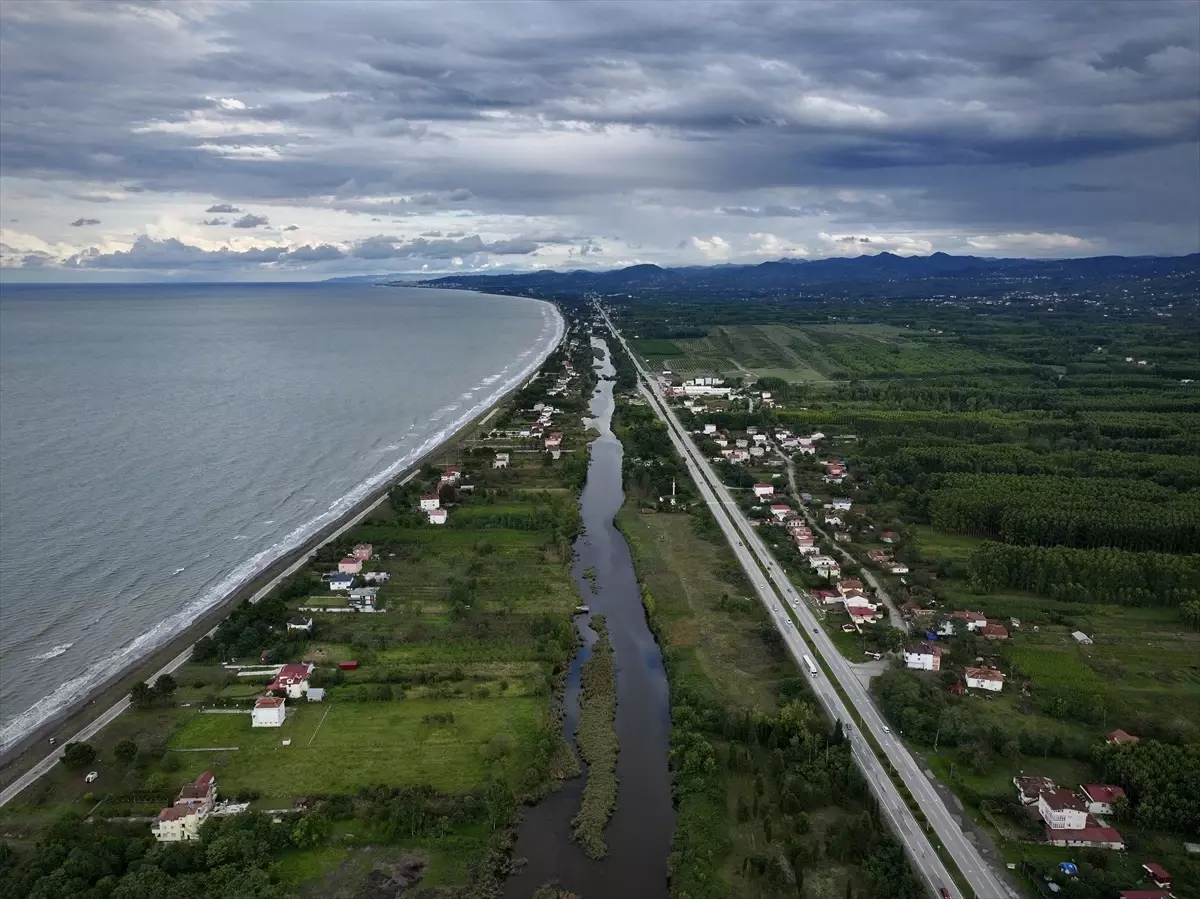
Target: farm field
1033, 474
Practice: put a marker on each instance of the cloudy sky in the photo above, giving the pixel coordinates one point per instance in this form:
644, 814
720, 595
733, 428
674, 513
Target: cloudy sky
278, 140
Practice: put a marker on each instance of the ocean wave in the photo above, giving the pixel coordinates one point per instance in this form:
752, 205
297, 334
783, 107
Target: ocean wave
78, 687
53, 653
178, 570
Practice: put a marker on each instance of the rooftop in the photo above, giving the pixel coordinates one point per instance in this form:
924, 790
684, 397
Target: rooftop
268, 702
1059, 799
1101, 792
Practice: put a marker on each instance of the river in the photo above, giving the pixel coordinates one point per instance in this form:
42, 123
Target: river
639, 834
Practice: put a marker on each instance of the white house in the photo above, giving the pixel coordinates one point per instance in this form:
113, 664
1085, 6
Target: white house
974, 621
350, 565
842, 504
897, 568
553, 441
438, 516
300, 624
833, 520
1100, 797
710, 428
181, 822
923, 657
1062, 810
341, 582
780, 511
292, 679
451, 476
985, 679
429, 502
501, 460
269, 711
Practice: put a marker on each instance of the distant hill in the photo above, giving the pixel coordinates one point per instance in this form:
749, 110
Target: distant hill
887, 272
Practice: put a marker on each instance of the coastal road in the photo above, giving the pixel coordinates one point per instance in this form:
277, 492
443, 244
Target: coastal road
771, 583
107, 717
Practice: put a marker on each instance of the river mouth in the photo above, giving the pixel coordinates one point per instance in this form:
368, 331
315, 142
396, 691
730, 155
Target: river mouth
639, 833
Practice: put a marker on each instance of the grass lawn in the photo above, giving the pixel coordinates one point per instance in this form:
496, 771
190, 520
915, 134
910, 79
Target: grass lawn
683, 573
935, 544
361, 743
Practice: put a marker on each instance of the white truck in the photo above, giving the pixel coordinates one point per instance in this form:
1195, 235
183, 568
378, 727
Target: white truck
812, 668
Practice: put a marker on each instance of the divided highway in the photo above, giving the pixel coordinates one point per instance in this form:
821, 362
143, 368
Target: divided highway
771, 583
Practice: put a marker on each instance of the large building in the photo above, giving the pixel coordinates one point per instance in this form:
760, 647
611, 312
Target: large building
923, 657
1062, 810
182, 820
269, 711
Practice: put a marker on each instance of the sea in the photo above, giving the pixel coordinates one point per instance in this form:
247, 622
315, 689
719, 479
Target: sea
159, 445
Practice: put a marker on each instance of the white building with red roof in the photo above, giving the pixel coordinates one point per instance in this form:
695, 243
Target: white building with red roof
764, 490
1160, 875
430, 501
973, 621
438, 516
1100, 797
451, 476
181, 821
1093, 836
268, 711
780, 511
1062, 810
363, 552
292, 680
923, 657
985, 679
553, 441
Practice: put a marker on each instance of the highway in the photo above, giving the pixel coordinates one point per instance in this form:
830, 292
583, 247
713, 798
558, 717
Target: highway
756, 559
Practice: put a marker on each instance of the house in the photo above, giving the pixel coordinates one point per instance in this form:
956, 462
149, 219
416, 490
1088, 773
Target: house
438, 516
182, 820
889, 537
1081, 638
429, 502
1094, 836
827, 597
1159, 874
1100, 797
1119, 736
350, 565
316, 694
760, 439
501, 460
741, 443
376, 577
300, 624
363, 597
897, 568
450, 476
553, 441
833, 520
292, 679
764, 490
985, 679
341, 582
843, 537
348, 665
862, 614
363, 552
780, 511
842, 504
974, 621
923, 657
994, 632
806, 497
269, 711
1062, 810
757, 452
710, 428
850, 586
1030, 786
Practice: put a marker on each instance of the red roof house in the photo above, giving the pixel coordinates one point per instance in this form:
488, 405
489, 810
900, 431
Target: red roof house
1119, 736
292, 679
348, 666
1159, 874
994, 632
1100, 797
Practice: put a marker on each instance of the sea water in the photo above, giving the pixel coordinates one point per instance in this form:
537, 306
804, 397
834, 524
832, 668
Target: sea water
161, 444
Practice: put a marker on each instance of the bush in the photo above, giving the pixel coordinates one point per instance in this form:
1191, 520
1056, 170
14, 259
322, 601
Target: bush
78, 755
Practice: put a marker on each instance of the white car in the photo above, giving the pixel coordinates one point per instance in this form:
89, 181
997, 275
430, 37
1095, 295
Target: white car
92, 775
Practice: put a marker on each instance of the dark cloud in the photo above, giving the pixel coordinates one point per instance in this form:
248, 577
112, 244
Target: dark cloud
652, 122
250, 220
292, 228
82, 222
215, 222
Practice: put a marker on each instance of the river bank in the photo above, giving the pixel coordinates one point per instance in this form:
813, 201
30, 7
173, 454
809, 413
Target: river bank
24, 762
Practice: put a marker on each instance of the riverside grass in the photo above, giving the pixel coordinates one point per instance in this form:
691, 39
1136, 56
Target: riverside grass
598, 743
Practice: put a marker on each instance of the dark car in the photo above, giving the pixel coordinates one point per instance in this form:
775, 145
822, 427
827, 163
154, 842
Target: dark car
944, 893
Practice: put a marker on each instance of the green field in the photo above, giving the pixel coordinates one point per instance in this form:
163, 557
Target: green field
338, 747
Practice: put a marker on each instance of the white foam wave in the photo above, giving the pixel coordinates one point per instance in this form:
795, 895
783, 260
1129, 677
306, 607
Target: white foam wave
53, 653
177, 570
78, 687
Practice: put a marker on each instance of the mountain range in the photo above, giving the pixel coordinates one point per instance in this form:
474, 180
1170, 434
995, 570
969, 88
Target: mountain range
885, 273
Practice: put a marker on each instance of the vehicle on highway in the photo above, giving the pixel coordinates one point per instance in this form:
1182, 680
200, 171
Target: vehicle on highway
812, 667
944, 893
886, 729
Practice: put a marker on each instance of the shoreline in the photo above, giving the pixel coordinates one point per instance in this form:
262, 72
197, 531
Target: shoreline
24, 763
